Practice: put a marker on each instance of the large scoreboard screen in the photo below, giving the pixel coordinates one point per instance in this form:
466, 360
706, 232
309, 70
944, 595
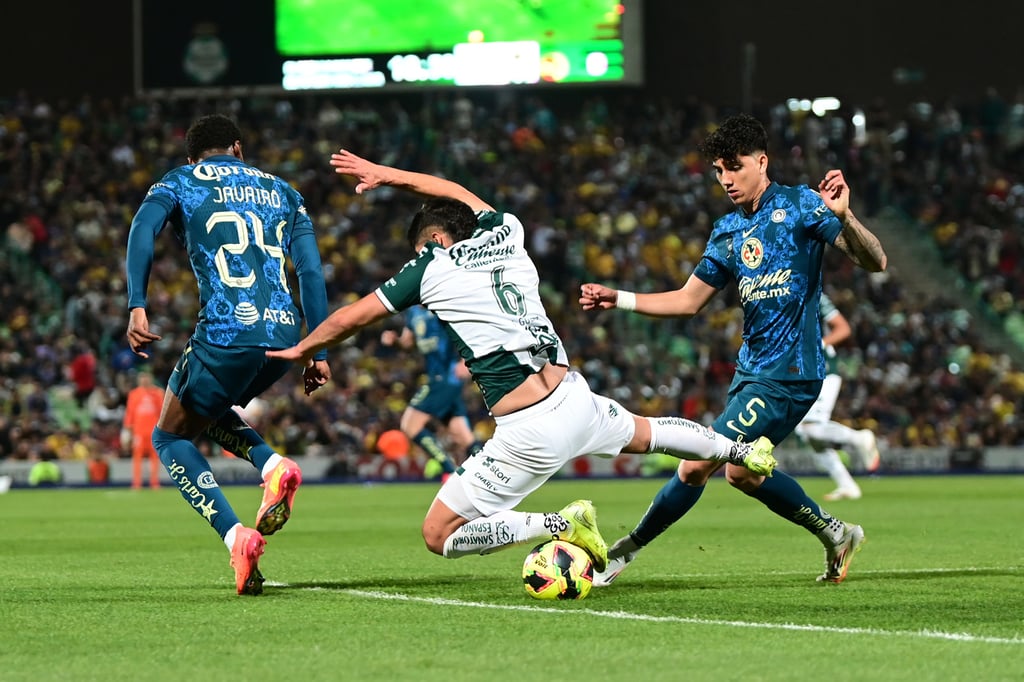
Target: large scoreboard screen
290, 45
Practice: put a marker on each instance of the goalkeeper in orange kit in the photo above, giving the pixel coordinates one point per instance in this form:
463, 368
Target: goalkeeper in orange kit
140, 418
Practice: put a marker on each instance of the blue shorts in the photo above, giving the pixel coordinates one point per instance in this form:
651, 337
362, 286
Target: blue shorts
209, 379
440, 399
765, 407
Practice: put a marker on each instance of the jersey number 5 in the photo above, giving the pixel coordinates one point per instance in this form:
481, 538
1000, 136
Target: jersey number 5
748, 418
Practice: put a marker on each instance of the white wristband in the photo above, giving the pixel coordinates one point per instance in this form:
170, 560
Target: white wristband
626, 300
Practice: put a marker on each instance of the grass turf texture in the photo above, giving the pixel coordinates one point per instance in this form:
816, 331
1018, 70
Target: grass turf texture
112, 584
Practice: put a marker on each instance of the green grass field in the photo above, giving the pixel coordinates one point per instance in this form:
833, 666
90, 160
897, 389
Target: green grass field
112, 584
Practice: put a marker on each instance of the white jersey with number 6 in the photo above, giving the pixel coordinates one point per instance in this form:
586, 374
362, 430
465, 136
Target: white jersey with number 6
485, 291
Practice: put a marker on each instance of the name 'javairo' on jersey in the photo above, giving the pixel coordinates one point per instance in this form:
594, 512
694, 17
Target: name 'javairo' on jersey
485, 291
775, 256
440, 358
237, 223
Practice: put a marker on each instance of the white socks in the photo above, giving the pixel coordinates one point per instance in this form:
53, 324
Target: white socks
229, 537
688, 440
503, 530
829, 432
274, 460
830, 462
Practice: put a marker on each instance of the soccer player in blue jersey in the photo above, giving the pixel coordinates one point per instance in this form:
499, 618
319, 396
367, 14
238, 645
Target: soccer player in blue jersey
772, 247
440, 397
238, 224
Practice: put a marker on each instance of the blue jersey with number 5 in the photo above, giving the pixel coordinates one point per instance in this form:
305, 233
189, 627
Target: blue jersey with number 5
775, 257
238, 225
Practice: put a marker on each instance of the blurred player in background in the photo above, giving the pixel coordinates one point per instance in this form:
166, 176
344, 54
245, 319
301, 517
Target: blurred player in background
239, 225
473, 272
440, 397
140, 417
772, 246
817, 428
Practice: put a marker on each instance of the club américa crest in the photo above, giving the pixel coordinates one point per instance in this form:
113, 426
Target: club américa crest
752, 253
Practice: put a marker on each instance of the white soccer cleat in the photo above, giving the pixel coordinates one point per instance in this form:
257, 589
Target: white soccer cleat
844, 493
839, 556
867, 450
620, 555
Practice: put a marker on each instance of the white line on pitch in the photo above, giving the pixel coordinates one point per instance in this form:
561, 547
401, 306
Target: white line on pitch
624, 615
878, 571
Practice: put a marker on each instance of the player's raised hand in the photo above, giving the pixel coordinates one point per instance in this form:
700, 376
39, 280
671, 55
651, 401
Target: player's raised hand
370, 175
835, 192
316, 375
597, 296
139, 336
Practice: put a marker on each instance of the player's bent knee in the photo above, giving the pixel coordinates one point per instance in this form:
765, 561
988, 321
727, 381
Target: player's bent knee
434, 541
742, 478
696, 472
434, 535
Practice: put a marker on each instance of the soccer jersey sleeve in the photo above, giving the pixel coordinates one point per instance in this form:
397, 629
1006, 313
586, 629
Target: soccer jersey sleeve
146, 225
818, 217
309, 270
403, 290
713, 267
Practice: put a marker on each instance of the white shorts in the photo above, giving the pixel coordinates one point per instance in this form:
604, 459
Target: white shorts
530, 445
821, 410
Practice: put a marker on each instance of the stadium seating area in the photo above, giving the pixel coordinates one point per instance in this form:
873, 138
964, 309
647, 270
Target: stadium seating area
610, 189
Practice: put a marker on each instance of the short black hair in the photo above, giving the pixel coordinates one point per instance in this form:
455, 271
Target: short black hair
215, 131
451, 215
739, 135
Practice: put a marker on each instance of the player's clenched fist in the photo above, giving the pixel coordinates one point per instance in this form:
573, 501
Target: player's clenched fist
597, 296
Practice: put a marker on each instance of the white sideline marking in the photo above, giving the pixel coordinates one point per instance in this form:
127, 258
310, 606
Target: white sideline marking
624, 615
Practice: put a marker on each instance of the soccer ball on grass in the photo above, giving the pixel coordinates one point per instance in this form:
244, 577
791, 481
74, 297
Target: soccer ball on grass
558, 570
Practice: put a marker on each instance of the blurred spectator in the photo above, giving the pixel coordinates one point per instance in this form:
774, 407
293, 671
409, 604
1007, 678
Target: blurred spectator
45, 472
82, 372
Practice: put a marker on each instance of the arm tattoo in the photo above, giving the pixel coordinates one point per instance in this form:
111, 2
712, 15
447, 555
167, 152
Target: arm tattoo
860, 245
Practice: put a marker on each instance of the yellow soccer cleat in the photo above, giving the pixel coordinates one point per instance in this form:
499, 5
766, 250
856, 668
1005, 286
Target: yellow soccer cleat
583, 531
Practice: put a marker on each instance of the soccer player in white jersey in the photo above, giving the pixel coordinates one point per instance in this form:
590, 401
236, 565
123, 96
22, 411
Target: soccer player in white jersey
473, 272
818, 428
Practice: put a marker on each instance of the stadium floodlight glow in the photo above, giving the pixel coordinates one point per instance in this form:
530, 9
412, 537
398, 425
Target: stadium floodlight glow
822, 105
819, 105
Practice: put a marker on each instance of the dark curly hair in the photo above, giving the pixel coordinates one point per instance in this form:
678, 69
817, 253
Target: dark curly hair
738, 135
451, 215
215, 131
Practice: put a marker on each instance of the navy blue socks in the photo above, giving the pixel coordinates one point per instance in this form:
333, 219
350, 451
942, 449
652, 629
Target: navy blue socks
191, 473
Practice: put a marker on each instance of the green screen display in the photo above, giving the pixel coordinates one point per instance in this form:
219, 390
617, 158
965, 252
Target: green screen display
459, 42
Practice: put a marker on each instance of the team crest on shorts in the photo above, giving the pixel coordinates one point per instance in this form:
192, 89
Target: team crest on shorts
752, 253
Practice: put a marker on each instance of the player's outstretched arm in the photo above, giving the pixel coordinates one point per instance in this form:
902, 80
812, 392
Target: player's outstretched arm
855, 240
341, 324
682, 302
372, 175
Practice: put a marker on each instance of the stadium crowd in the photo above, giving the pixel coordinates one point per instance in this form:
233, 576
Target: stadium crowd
610, 189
